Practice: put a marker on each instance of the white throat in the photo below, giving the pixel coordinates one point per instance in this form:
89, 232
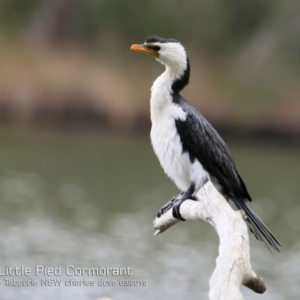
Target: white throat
161, 104
173, 57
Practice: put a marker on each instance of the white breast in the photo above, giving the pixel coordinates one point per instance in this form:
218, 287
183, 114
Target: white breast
166, 141
167, 146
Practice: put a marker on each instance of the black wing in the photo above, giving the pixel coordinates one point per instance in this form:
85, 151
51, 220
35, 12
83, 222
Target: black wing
202, 141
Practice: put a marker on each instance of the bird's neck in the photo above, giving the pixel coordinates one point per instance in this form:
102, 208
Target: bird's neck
171, 82
180, 76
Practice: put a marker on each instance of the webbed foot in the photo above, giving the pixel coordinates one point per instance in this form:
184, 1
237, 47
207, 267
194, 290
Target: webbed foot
176, 202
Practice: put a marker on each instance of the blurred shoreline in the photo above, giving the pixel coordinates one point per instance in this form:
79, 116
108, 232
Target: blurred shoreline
67, 87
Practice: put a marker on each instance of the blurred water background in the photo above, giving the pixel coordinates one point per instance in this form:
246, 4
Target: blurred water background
79, 183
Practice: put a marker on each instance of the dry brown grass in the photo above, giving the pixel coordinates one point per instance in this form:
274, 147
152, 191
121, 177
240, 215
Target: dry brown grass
43, 84
39, 82
39, 78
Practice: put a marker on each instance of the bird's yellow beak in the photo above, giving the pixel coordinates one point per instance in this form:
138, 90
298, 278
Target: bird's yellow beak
145, 49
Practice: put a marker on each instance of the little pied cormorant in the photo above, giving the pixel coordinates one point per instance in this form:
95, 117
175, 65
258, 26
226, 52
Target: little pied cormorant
189, 149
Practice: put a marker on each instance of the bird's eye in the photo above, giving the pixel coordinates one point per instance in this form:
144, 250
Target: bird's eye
153, 47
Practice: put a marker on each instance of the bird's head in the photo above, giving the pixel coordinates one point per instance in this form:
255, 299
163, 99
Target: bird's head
169, 52
166, 51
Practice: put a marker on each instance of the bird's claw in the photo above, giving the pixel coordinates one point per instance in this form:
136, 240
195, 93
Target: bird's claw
176, 211
175, 203
166, 207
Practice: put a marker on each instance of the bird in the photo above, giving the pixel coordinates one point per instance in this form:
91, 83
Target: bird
188, 147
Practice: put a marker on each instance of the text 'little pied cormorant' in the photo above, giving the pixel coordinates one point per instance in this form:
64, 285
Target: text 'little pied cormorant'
189, 149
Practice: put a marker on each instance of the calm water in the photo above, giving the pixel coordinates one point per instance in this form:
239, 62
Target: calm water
87, 200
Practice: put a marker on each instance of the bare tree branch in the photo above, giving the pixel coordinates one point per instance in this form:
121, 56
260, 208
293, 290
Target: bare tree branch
233, 267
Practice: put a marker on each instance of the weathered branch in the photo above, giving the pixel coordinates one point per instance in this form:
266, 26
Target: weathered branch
233, 267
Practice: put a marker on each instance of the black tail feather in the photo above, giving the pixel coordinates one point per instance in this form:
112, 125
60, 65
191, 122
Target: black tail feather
257, 227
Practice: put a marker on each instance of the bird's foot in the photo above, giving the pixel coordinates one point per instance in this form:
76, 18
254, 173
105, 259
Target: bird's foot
175, 203
166, 207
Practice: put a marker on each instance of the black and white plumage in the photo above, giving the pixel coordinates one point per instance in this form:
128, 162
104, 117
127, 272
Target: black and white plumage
189, 149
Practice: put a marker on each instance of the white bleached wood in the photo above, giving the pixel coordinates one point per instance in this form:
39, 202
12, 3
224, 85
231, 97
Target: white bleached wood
233, 267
